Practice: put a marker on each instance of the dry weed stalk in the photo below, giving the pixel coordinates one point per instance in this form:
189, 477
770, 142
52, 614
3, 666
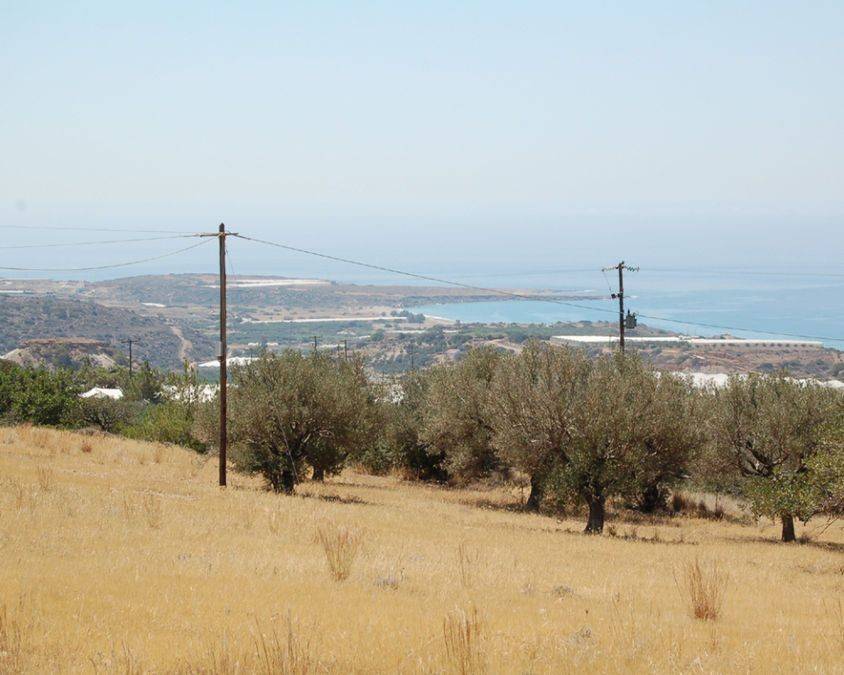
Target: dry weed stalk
46, 478
129, 507
284, 655
219, 659
275, 522
86, 447
159, 453
341, 546
468, 559
249, 515
11, 643
838, 621
705, 587
153, 510
25, 497
462, 634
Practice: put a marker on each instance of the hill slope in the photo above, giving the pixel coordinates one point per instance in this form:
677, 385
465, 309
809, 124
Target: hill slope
48, 317
124, 556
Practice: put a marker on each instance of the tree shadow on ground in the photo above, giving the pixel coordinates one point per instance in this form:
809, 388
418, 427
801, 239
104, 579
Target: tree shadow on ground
833, 546
335, 498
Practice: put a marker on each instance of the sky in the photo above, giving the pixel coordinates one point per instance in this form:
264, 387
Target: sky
435, 135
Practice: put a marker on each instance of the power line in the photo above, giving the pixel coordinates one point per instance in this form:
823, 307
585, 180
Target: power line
824, 338
425, 277
664, 270
520, 296
742, 272
89, 229
104, 267
97, 243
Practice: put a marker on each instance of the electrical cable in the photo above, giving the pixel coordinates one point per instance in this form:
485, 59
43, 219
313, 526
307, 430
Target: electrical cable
742, 271
105, 267
424, 277
520, 296
89, 229
96, 243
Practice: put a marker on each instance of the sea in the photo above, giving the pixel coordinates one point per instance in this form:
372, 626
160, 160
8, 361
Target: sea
744, 305
752, 302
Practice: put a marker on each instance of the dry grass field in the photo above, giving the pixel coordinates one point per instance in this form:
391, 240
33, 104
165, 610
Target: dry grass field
118, 556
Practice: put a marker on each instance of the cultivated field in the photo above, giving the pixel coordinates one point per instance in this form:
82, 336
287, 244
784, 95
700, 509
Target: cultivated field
118, 556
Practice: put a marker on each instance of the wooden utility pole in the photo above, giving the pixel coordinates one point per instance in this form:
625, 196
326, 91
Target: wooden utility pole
620, 295
129, 341
221, 235
346, 350
316, 340
224, 380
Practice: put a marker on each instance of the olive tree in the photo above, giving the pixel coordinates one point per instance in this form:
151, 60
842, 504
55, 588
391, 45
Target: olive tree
773, 432
676, 437
402, 430
292, 410
628, 425
454, 420
531, 408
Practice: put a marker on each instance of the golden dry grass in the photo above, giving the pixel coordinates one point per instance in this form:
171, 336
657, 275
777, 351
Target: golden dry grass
118, 556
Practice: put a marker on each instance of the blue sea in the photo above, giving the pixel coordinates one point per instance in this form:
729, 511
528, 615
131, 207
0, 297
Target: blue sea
740, 305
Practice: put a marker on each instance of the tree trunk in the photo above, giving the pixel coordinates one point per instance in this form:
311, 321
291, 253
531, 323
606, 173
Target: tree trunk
319, 474
651, 499
787, 527
595, 524
535, 498
288, 481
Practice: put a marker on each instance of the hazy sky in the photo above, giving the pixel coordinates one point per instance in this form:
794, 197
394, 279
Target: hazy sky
432, 133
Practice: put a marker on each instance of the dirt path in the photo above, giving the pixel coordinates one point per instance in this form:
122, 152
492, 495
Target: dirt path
185, 345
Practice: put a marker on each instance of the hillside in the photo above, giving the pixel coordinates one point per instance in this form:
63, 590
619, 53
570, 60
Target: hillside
63, 353
175, 316
47, 317
119, 556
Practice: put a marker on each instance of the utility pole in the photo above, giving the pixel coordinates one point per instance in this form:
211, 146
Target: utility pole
129, 341
623, 322
221, 235
346, 350
316, 339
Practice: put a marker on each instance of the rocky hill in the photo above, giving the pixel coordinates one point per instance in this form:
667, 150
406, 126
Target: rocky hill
49, 319
64, 353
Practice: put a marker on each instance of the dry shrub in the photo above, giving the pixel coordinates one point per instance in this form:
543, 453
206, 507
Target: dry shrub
468, 560
197, 464
24, 496
680, 503
130, 509
249, 515
276, 522
119, 660
11, 643
685, 504
219, 659
152, 510
40, 438
86, 447
286, 654
159, 453
46, 478
390, 578
704, 586
341, 546
838, 621
462, 635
